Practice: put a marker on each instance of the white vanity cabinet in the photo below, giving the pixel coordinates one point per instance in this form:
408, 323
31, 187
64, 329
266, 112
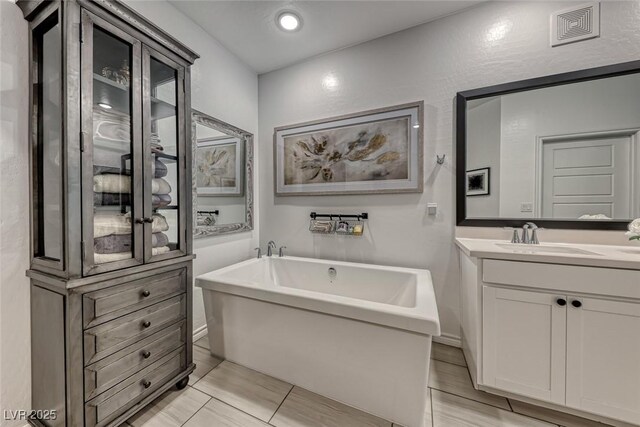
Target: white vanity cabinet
558, 335
603, 357
524, 341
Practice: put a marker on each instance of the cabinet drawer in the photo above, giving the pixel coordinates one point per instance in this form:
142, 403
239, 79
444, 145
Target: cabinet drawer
106, 304
567, 278
103, 340
113, 369
118, 399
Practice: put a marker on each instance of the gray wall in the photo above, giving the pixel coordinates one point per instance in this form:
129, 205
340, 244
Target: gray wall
15, 359
483, 151
489, 44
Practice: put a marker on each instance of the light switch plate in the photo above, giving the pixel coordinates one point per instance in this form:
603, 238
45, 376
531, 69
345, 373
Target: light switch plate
432, 208
526, 207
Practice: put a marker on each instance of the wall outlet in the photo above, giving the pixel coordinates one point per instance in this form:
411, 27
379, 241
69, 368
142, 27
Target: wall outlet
432, 208
526, 207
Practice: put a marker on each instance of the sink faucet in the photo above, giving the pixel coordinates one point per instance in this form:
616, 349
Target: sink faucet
534, 235
270, 247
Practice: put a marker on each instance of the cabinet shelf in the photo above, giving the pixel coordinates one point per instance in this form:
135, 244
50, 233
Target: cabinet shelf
117, 96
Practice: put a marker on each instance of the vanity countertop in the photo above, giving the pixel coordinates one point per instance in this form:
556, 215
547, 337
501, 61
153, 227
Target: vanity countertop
627, 257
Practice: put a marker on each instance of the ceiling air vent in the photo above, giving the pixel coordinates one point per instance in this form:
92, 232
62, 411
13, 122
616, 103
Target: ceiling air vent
577, 23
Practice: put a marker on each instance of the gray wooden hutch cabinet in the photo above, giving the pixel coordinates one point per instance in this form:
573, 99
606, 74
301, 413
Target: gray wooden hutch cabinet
111, 264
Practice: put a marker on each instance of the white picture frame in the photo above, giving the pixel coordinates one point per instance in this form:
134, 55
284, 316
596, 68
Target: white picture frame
226, 178
303, 162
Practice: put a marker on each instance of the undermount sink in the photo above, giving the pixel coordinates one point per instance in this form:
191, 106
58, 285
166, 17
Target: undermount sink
543, 249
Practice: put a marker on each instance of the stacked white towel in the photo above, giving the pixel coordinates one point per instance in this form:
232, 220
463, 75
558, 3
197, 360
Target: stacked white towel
109, 223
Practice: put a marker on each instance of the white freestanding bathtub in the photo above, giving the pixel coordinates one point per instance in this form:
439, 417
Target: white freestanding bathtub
356, 333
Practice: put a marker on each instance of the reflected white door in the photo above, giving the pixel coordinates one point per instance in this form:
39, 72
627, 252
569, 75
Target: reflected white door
587, 177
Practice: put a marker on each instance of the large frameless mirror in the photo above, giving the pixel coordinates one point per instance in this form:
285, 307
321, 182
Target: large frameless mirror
561, 150
222, 177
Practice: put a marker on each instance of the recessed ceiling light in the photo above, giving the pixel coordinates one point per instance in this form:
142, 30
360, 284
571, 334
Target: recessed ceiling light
289, 21
105, 106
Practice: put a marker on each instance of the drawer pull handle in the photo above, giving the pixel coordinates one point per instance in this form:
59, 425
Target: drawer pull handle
148, 220
561, 302
139, 220
576, 303
146, 293
146, 383
146, 354
146, 324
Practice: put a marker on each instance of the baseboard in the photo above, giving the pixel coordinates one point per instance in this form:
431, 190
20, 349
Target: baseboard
199, 333
448, 339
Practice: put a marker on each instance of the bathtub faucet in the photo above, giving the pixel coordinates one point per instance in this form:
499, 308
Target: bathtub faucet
270, 247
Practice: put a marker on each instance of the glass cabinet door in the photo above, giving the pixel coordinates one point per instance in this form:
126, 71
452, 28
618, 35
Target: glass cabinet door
113, 214
47, 153
164, 144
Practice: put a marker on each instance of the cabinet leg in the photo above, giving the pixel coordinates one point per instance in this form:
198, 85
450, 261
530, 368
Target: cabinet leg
182, 383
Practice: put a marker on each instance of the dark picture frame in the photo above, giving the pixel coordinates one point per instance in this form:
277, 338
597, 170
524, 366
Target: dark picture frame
478, 182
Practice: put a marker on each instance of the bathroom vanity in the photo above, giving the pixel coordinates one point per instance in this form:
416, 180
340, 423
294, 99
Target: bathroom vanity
111, 222
555, 325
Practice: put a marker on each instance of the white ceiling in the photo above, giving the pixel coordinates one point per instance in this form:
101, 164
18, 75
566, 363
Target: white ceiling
247, 28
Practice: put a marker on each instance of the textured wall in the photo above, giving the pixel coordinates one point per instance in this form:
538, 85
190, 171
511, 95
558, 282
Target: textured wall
223, 87
486, 45
15, 359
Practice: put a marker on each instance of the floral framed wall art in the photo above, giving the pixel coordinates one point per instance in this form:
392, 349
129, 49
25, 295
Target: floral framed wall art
370, 152
219, 166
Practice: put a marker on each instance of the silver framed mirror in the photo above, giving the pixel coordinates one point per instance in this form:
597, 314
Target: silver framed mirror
222, 176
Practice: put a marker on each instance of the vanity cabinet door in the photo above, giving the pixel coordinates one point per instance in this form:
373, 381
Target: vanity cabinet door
524, 342
603, 357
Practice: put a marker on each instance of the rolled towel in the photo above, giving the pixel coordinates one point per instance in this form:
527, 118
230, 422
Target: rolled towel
111, 199
106, 223
160, 186
159, 239
160, 200
98, 169
104, 258
113, 243
159, 223
594, 216
120, 243
160, 169
110, 183
117, 199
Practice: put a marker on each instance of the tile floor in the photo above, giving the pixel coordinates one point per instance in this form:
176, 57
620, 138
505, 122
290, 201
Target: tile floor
223, 394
